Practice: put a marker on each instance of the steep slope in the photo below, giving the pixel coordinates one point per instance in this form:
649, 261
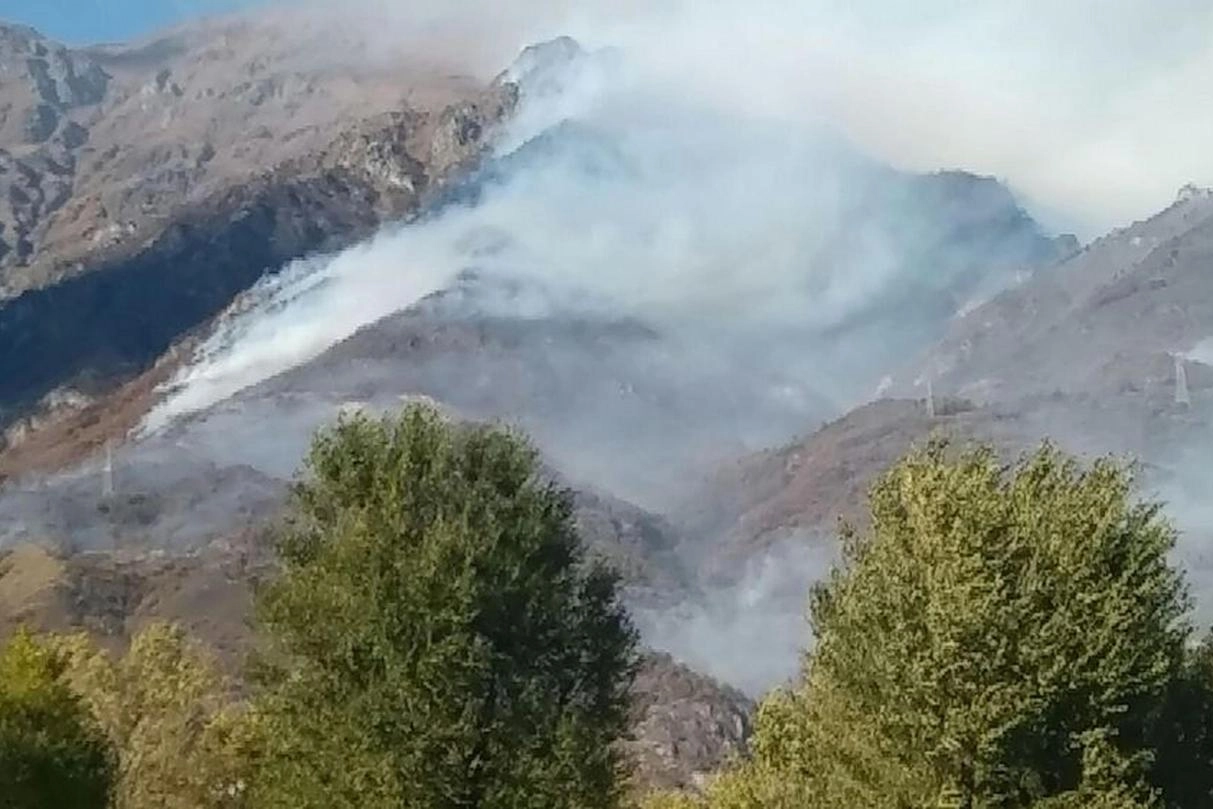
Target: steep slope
1106, 353
687, 725
1102, 324
180, 170
48, 96
159, 125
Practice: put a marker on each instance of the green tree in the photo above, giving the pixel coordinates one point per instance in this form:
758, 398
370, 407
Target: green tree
52, 754
997, 638
1109, 780
1184, 762
166, 710
437, 637
669, 800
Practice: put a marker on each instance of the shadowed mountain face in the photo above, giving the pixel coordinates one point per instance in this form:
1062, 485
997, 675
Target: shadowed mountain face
143, 187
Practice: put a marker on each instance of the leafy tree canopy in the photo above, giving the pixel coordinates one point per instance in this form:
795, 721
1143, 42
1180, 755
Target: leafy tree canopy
167, 712
998, 638
437, 638
52, 754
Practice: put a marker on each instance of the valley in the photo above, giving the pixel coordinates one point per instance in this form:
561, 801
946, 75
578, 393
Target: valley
717, 332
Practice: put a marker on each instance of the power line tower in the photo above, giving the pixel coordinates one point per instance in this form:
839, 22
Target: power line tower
1182, 397
107, 471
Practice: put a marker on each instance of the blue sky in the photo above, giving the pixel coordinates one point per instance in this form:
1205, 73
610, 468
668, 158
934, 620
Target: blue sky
87, 21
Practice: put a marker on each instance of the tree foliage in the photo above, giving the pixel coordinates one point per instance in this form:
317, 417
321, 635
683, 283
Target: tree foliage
167, 712
52, 753
998, 638
436, 637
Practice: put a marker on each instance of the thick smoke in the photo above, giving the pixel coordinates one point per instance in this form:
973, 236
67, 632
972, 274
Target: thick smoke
1093, 110
615, 195
714, 178
293, 316
747, 273
751, 633
717, 105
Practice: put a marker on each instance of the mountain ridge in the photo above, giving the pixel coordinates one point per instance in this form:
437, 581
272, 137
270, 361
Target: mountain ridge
154, 229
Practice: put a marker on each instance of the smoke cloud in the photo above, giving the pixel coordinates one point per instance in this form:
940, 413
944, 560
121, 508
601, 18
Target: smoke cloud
744, 272
731, 182
723, 111
1095, 111
751, 633
617, 193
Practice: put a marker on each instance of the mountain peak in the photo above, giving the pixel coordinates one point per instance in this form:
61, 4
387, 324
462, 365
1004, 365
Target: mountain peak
540, 68
1192, 191
43, 80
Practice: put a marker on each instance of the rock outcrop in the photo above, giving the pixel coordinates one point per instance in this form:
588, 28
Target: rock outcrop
175, 173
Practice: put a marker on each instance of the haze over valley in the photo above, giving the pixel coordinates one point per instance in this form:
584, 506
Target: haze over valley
723, 269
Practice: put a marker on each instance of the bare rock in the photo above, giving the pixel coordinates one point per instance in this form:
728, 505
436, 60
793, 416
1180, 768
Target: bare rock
686, 725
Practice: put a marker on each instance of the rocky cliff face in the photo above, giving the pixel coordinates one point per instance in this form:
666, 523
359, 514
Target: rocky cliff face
48, 96
687, 725
142, 187
136, 133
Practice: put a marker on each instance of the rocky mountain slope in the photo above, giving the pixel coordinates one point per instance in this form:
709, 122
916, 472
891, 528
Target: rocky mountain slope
49, 94
139, 132
1106, 353
1109, 321
142, 187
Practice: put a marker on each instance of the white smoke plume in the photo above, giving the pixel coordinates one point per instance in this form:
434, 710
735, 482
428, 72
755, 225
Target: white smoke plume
742, 234
751, 633
700, 176
1080, 106
616, 193
291, 317
1096, 110
643, 209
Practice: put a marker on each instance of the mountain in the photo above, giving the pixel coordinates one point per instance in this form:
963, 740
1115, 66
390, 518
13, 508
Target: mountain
621, 400
143, 131
1098, 324
648, 305
145, 186
1105, 353
49, 93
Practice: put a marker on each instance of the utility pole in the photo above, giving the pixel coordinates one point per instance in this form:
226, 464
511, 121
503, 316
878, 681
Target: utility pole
930, 399
107, 471
1182, 397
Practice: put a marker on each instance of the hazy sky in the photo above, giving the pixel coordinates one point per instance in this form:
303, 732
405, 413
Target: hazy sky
85, 21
